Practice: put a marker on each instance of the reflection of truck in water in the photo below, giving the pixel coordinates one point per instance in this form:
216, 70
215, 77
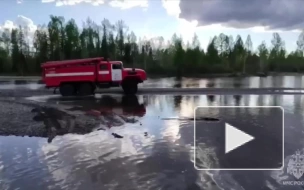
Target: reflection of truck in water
106, 111
122, 106
82, 76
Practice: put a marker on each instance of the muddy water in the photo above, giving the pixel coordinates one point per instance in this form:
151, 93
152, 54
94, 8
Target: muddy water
134, 143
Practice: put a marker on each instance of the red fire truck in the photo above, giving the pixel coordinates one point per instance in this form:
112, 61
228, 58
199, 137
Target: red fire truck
82, 76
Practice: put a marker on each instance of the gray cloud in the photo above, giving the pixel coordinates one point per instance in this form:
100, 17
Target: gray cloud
273, 14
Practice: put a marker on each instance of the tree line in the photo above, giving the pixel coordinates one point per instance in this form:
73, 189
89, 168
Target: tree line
62, 40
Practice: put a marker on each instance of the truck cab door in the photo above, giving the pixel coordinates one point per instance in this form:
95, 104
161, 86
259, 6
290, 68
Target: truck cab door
116, 72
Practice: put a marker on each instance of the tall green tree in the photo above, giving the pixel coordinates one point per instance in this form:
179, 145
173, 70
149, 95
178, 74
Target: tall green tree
61, 39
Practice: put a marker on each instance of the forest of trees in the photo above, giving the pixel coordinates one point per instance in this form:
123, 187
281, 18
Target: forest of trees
62, 39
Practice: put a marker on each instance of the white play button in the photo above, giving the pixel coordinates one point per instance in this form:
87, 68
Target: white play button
235, 138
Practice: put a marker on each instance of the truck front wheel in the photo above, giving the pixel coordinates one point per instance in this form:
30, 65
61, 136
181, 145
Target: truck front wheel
67, 90
130, 87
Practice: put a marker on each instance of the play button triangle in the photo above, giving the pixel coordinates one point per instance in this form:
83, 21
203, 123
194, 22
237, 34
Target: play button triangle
235, 138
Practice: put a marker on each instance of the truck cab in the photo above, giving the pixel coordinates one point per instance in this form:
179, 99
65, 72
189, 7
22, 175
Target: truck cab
82, 76
114, 72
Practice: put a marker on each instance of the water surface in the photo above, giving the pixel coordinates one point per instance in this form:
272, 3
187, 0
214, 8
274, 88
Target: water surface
293, 81
153, 153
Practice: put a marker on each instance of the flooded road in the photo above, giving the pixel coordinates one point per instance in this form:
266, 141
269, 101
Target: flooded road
130, 142
294, 81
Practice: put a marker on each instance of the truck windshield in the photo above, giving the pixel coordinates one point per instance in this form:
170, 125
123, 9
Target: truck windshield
117, 66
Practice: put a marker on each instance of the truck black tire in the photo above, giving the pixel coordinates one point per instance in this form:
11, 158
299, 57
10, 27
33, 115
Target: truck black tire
67, 89
129, 87
85, 89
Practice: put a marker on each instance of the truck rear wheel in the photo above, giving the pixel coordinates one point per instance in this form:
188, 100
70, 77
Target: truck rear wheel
85, 89
67, 90
130, 87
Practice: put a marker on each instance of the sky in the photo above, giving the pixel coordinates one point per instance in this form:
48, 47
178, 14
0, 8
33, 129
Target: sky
152, 18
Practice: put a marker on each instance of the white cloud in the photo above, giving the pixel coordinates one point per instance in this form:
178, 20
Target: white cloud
122, 4
73, 2
172, 7
26, 23
127, 4
8, 24
184, 28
